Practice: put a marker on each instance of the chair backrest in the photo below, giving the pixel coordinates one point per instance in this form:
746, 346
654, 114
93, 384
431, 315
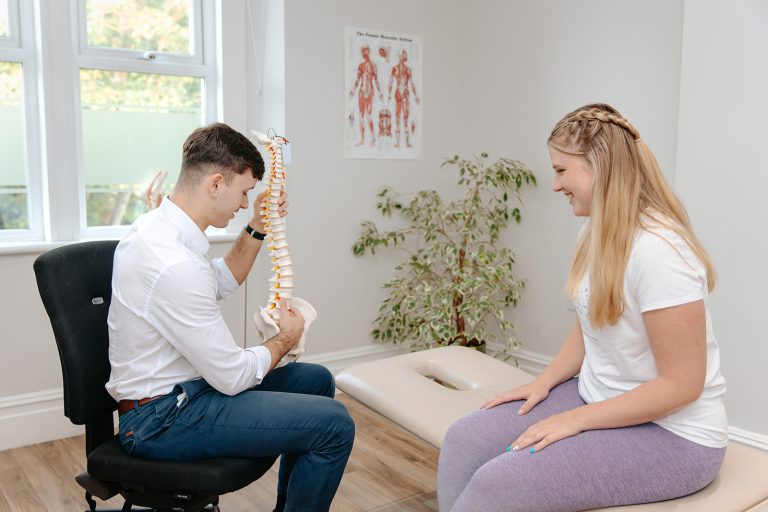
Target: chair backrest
75, 283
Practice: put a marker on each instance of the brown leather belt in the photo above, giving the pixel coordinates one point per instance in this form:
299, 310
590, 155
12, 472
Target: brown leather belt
128, 405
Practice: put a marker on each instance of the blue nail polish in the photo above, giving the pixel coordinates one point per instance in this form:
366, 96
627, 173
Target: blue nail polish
509, 448
532, 450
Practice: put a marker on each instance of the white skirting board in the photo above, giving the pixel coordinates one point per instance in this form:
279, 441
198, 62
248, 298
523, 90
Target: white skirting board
36, 417
30, 418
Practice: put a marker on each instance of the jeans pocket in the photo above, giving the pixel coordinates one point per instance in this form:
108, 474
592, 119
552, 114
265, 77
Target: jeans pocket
128, 442
165, 410
188, 402
193, 388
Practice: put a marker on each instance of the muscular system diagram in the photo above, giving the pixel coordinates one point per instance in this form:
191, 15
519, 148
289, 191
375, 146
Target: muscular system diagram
282, 279
367, 77
383, 95
402, 78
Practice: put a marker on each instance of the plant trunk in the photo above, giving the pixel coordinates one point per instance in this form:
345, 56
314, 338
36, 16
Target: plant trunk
461, 335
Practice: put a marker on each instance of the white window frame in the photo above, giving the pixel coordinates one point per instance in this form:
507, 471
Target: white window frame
201, 64
44, 35
20, 47
105, 57
12, 40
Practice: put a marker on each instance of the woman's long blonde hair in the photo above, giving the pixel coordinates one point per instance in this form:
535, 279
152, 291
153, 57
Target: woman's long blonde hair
628, 191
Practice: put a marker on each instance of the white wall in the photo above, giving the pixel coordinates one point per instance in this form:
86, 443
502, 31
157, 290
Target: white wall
524, 66
721, 176
330, 195
29, 359
497, 76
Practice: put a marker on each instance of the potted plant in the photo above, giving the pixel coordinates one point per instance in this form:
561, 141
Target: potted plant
457, 279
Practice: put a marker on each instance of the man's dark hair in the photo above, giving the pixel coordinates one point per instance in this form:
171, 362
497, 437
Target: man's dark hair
219, 148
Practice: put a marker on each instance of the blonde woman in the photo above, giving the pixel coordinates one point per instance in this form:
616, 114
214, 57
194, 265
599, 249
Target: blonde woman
644, 419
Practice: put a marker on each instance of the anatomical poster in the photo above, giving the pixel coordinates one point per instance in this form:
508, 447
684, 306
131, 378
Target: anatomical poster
383, 81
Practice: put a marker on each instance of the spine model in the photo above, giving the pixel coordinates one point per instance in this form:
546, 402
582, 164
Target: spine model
282, 278
276, 236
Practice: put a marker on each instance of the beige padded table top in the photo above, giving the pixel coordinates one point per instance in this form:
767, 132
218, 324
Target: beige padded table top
400, 387
407, 390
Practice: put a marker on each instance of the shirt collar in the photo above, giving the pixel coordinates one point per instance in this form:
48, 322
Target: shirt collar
191, 236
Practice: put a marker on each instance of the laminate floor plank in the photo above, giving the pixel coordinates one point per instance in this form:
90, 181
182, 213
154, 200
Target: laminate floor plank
390, 470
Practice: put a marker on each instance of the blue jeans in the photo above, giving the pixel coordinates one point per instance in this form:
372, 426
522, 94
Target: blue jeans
292, 413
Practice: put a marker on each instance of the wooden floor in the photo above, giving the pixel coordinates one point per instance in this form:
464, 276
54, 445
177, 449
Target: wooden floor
390, 470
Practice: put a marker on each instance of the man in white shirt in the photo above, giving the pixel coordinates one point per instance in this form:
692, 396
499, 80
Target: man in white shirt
185, 388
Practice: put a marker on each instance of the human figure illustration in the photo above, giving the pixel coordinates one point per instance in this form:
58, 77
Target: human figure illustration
385, 123
403, 78
351, 119
367, 78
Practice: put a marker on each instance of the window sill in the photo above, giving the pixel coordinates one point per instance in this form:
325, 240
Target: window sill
39, 247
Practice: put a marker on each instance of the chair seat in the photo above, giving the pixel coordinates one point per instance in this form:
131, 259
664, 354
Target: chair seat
207, 476
406, 390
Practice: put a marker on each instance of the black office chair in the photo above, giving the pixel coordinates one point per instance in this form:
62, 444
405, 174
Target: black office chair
75, 283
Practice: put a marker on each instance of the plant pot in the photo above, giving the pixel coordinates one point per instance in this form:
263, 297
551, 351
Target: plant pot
479, 346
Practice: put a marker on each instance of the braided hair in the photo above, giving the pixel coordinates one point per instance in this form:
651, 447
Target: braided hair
581, 126
628, 193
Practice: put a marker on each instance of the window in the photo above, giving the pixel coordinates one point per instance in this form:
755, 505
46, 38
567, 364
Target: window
141, 25
20, 203
14, 211
96, 96
4, 28
9, 23
145, 82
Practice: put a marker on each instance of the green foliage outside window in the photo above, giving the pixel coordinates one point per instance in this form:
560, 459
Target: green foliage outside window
13, 211
150, 25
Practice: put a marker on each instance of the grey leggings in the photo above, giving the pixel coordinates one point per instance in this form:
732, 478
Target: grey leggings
597, 468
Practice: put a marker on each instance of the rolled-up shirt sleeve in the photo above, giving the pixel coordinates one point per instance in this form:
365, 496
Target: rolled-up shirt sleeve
183, 308
226, 284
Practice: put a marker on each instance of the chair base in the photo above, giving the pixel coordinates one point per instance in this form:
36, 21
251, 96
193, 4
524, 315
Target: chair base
127, 506
162, 500
94, 487
152, 499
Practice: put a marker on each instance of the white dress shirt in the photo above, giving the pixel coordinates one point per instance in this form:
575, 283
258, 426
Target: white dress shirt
165, 326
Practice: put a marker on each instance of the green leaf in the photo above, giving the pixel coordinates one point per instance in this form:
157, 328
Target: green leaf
455, 268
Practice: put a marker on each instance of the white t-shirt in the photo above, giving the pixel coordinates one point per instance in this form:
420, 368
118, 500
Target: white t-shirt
662, 271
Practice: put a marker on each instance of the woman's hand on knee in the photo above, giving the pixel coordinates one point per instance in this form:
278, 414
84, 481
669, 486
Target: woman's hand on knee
532, 393
545, 432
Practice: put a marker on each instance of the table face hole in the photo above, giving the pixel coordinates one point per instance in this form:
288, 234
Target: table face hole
442, 382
